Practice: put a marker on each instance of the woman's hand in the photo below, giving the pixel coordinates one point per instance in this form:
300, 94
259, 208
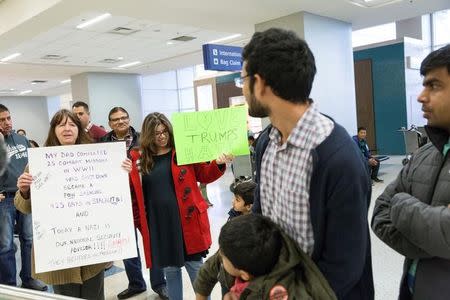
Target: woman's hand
23, 183
2, 197
224, 158
127, 165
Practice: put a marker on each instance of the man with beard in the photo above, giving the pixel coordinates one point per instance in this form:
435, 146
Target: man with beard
312, 180
412, 215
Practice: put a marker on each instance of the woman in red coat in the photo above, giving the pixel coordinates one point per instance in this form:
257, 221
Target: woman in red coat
171, 204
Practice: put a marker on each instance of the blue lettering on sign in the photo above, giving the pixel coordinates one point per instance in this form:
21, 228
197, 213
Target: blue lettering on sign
222, 58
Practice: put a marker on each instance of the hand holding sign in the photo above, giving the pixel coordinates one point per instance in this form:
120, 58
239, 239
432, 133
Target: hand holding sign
224, 158
23, 183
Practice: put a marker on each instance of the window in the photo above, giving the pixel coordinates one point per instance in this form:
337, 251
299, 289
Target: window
375, 34
441, 24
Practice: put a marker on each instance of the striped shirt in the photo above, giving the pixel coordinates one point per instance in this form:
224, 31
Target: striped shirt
286, 175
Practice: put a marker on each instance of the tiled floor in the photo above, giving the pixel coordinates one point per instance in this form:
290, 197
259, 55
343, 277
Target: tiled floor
387, 264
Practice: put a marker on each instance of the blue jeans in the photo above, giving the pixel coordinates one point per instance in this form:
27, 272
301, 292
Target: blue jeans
8, 216
174, 279
133, 269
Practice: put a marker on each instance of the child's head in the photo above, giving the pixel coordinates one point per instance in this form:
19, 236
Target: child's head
250, 246
243, 191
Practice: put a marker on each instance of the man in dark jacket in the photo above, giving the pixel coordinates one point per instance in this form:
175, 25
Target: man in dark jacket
119, 121
312, 179
373, 162
412, 215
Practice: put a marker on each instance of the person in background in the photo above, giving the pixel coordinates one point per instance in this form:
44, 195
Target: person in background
81, 110
16, 147
86, 282
119, 121
170, 200
212, 271
307, 167
33, 144
21, 132
374, 163
412, 215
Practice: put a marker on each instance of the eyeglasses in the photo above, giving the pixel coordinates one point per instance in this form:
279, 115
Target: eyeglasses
239, 81
116, 120
160, 133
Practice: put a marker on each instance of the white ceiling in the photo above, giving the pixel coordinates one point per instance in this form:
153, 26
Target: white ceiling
52, 31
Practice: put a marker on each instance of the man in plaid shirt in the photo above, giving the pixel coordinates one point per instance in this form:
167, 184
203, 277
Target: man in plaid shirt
312, 180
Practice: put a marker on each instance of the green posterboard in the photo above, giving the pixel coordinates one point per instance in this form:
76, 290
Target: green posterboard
203, 136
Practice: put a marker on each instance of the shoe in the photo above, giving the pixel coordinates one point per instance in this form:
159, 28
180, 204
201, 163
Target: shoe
162, 293
376, 179
34, 284
129, 293
109, 265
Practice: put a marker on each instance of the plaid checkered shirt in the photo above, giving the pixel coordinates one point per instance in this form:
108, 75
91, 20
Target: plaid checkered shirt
286, 176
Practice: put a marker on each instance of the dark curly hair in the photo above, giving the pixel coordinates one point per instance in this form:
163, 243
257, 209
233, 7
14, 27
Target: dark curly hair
284, 61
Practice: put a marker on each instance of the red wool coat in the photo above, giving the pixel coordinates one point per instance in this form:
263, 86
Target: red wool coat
192, 206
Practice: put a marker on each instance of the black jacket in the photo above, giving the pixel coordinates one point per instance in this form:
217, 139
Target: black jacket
135, 143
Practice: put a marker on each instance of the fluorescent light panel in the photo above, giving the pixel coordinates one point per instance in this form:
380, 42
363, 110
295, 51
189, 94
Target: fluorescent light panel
373, 3
230, 37
9, 57
93, 21
25, 92
65, 81
129, 64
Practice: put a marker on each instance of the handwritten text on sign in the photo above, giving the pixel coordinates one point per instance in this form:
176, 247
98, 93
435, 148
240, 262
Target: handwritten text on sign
81, 206
203, 136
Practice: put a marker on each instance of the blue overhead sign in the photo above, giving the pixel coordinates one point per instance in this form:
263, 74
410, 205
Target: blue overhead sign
222, 58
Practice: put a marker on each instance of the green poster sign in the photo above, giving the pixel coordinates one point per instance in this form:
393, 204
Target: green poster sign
203, 136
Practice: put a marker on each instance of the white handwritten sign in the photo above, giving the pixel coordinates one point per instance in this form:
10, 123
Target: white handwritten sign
81, 206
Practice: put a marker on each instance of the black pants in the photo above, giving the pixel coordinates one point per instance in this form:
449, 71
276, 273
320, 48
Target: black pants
374, 170
91, 289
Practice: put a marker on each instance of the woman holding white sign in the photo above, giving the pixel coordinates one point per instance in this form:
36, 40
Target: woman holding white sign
171, 202
85, 282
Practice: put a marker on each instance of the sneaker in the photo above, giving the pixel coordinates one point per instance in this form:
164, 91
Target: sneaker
34, 284
162, 293
128, 293
376, 179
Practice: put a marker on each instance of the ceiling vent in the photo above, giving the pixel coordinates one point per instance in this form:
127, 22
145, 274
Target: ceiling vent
123, 30
184, 38
110, 61
38, 81
53, 57
373, 3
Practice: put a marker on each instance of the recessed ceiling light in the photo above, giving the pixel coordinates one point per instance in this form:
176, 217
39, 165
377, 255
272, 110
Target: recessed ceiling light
65, 81
170, 43
9, 57
34, 83
372, 3
11, 89
120, 58
93, 21
129, 64
25, 92
230, 37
